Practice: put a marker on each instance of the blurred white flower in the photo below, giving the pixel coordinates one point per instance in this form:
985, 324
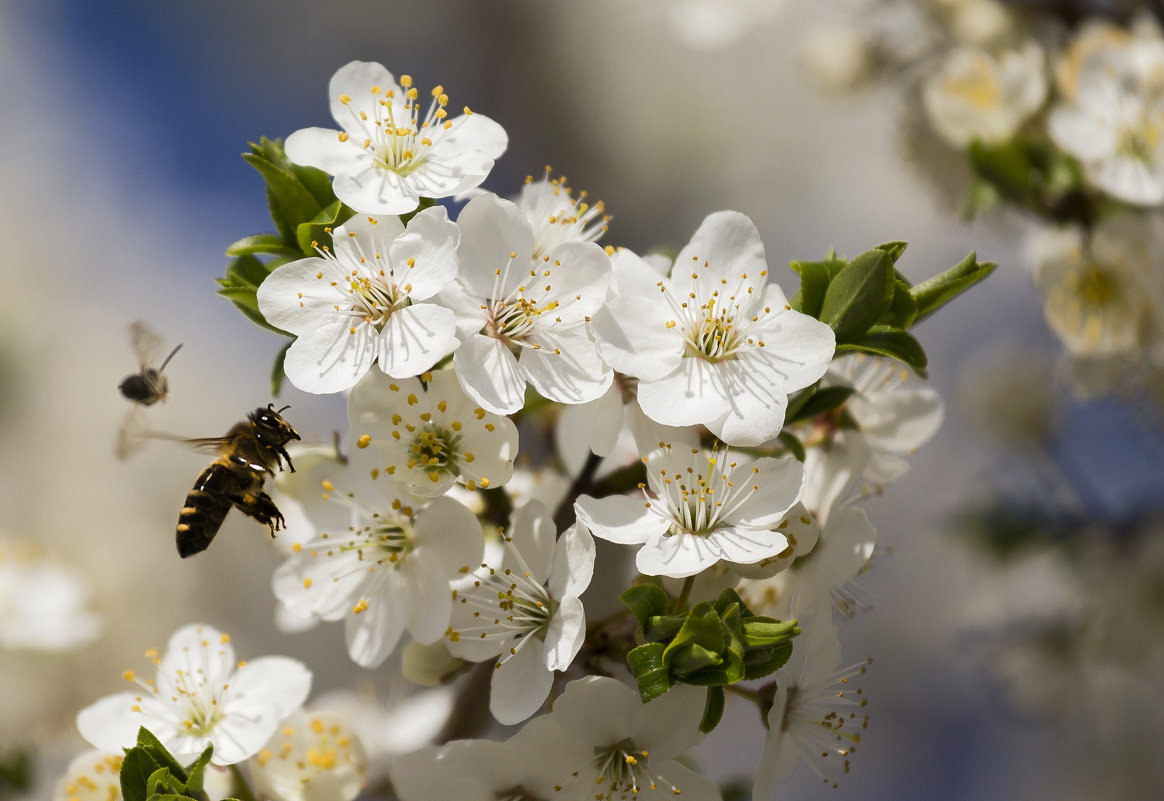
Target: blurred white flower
427, 434
1101, 294
527, 611
312, 757
602, 740
44, 605
714, 343
703, 508
977, 22
91, 776
975, 96
465, 770
387, 571
816, 713
201, 696
838, 56
716, 24
1116, 129
388, 155
525, 315
1136, 53
364, 302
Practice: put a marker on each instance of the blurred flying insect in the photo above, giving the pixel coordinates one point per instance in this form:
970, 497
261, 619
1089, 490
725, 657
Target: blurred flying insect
145, 388
149, 385
248, 453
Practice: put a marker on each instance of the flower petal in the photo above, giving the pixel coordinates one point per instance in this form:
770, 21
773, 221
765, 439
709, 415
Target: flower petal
489, 375
565, 635
573, 564
520, 684
619, 518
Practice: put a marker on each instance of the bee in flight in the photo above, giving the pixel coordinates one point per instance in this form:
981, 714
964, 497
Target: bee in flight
145, 388
247, 454
149, 384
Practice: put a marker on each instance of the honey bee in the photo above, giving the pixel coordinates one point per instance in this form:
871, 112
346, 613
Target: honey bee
149, 385
248, 453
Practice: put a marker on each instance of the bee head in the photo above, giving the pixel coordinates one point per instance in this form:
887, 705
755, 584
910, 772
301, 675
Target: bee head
270, 426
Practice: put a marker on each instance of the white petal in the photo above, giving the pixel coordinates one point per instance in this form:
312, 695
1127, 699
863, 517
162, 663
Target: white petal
730, 245
414, 339
198, 647
355, 80
277, 680
779, 481
322, 148
373, 633
492, 229
331, 358
677, 556
599, 710
566, 368
240, 736
573, 564
110, 724
670, 724
602, 420
488, 373
898, 421
619, 518
376, 191
474, 132
452, 534
632, 330
521, 684
432, 603
694, 393
565, 635
431, 241
533, 534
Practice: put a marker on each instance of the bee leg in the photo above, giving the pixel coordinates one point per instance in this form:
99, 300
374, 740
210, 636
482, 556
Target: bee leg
258, 505
286, 457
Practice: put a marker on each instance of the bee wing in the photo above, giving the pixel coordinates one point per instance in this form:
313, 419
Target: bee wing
133, 434
208, 445
147, 343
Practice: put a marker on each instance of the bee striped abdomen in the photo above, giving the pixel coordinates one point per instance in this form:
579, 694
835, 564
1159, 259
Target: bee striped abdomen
206, 507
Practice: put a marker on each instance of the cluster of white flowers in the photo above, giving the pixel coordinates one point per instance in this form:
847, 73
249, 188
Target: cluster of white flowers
428, 531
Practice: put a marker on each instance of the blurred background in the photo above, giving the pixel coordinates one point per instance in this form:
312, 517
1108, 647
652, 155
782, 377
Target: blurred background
120, 133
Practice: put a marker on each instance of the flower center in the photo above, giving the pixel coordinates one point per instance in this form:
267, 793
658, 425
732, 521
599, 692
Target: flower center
515, 316
692, 500
620, 771
1140, 141
560, 217
826, 719
978, 86
396, 135
434, 450
374, 299
713, 338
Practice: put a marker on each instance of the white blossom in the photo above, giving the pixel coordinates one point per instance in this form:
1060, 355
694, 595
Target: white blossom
975, 96
526, 613
427, 434
367, 300
524, 316
44, 604
713, 343
313, 757
390, 152
202, 695
91, 776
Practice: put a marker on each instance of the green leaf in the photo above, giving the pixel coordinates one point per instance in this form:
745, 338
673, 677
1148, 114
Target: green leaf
893, 250
261, 243
712, 709
196, 773
162, 781
289, 201
136, 768
822, 401
858, 295
794, 445
903, 310
814, 283
153, 746
277, 374
16, 770
893, 343
316, 232
240, 286
765, 631
762, 662
645, 601
936, 292
646, 663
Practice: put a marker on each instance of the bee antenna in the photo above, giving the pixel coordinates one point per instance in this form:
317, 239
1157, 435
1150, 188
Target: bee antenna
167, 361
285, 408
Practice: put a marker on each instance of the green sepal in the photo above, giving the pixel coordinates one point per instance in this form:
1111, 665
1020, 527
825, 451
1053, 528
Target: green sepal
196, 773
761, 632
278, 376
932, 294
859, 295
823, 401
268, 244
794, 445
161, 781
892, 342
316, 232
712, 709
645, 601
161, 757
240, 286
646, 663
